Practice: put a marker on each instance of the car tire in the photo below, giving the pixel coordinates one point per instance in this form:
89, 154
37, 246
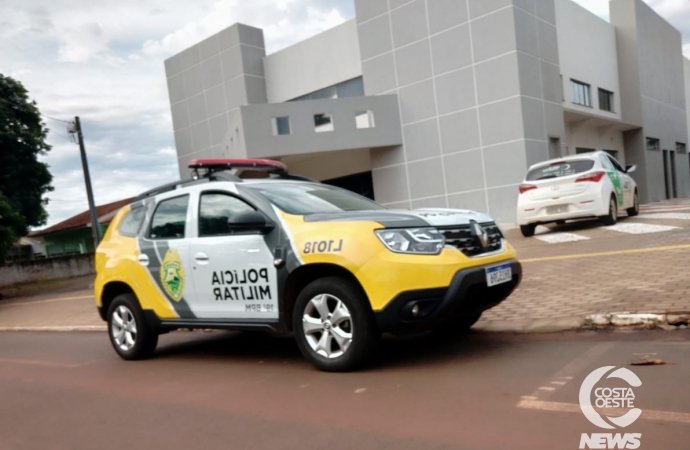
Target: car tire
528, 230
456, 326
334, 325
131, 336
612, 217
635, 210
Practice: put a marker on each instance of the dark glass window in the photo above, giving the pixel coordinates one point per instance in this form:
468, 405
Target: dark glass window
680, 147
605, 100
169, 219
215, 209
653, 144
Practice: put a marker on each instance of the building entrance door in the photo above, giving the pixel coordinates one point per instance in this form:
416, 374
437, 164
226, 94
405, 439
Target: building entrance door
668, 191
672, 169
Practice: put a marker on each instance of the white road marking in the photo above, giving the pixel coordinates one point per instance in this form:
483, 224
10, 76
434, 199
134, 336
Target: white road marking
559, 383
547, 388
639, 228
668, 416
558, 238
671, 216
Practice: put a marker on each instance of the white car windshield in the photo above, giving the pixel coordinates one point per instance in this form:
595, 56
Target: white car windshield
560, 169
313, 198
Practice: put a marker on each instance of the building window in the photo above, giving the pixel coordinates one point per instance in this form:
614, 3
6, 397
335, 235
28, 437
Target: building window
680, 147
581, 150
323, 122
581, 93
364, 119
653, 144
281, 126
605, 100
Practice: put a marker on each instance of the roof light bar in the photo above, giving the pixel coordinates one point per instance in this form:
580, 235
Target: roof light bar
215, 164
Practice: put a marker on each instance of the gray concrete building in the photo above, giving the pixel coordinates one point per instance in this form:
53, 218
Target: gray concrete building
444, 103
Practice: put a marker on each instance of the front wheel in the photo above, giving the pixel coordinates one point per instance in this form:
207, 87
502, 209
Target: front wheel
612, 216
334, 326
130, 334
635, 210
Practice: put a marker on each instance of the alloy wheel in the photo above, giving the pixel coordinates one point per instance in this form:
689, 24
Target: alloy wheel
327, 326
124, 328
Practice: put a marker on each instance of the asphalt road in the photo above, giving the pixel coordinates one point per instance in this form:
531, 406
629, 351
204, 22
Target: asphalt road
244, 391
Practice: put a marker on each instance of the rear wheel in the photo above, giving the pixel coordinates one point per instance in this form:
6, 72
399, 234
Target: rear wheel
334, 326
130, 334
635, 210
528, 230
612, 216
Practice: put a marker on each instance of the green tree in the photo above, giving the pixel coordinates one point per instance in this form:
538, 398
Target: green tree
23, 178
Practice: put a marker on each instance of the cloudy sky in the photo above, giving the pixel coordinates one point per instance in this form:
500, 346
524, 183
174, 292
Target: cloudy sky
103, 61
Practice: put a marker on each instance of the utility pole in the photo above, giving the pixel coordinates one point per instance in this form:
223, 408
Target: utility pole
95, 226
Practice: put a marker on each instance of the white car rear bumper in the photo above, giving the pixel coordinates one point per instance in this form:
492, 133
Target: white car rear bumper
591, 203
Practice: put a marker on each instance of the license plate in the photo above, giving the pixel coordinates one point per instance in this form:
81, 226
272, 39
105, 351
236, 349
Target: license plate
557, 209
498, 275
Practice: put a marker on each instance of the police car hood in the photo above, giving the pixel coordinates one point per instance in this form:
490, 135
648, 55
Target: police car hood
441, 217
403, 218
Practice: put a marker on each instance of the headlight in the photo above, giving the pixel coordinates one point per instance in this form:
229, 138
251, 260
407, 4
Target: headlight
424, 241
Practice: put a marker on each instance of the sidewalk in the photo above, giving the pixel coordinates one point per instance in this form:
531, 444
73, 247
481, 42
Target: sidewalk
609, 271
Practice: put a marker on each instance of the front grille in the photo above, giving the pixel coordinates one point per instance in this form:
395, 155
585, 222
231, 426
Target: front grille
461, 237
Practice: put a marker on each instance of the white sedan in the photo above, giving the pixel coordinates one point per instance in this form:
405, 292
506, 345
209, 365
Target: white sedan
576, 187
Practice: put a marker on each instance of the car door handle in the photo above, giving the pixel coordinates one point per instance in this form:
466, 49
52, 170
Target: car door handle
201, 258
143, 260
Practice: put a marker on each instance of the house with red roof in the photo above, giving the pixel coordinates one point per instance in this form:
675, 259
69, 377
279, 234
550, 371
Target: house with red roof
73, 236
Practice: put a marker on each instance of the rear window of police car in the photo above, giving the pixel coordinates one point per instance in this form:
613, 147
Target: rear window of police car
560, 169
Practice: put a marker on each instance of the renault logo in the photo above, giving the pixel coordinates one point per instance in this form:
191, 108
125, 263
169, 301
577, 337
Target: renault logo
479, 234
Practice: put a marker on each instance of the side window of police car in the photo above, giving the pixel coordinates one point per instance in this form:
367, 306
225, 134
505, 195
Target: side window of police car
215, 208
131, 224
169, 219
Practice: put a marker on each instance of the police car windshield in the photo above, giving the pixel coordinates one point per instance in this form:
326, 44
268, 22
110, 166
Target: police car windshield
313, 198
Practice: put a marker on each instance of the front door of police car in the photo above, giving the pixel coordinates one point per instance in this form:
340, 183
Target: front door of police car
234, 275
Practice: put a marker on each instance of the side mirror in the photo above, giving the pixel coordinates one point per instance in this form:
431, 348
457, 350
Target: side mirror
250, 221
630, 169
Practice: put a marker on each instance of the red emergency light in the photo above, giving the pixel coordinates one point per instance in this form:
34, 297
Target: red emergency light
215, 164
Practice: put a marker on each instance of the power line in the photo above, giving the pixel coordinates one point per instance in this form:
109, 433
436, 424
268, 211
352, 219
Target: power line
16, 106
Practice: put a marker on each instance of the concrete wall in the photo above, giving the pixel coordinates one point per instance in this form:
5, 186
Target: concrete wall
586, 135
686, 73
207, 83
315, 63
479, 91
650, 56
47, 269
587, 53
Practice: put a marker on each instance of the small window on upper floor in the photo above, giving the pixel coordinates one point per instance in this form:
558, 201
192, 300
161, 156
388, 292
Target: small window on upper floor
364, 119
581, 93
323, 122
681, 148
281, 126
605, 100
653, 144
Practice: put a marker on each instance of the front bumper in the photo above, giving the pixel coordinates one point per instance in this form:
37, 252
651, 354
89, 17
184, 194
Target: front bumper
466, 295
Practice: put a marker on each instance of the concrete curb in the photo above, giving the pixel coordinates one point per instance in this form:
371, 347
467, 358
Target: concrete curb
553, 325
649, 320
60, 328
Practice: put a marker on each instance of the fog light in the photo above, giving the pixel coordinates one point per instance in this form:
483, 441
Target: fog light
415, 309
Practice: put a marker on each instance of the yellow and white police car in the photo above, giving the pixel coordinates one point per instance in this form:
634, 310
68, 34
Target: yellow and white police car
285, 254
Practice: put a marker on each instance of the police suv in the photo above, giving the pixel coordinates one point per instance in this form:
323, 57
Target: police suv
285, 254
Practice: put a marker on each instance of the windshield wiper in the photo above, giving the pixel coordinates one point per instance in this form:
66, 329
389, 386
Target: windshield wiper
546, 177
